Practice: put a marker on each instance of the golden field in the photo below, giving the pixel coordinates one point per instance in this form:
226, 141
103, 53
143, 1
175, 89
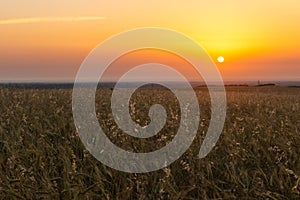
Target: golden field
257, 155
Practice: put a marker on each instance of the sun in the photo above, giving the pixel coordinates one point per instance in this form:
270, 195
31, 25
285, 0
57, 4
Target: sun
221, 59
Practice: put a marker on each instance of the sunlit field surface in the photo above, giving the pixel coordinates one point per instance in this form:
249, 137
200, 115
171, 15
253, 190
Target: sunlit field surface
257, 156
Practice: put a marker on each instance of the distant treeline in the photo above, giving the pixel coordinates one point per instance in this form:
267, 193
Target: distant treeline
37, 85
267, 84
69, 85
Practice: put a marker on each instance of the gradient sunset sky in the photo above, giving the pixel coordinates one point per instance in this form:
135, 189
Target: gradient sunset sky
48, 40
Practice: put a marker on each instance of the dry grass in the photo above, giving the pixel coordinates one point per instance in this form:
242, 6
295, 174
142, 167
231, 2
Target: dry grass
257, 156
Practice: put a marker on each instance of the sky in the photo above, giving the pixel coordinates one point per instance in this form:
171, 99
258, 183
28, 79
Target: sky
48, 40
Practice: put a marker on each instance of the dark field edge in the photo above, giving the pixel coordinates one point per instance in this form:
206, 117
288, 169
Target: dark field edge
42, 85
69, 85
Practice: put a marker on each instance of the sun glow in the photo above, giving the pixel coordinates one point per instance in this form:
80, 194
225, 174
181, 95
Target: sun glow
221, 59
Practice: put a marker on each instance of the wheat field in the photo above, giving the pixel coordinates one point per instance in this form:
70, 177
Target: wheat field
256, 157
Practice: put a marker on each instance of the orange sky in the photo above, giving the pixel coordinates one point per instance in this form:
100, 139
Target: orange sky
48, 40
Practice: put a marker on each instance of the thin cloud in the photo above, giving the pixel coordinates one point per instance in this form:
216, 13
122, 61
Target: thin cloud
49, 19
